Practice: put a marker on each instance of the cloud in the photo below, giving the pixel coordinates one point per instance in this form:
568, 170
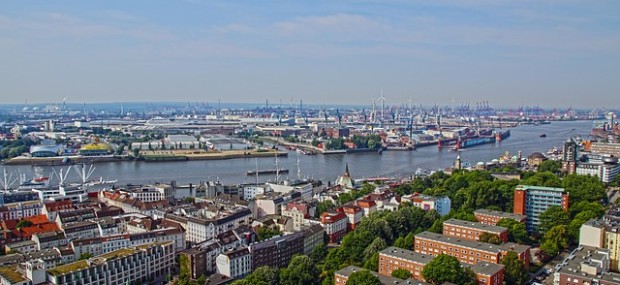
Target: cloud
332, 24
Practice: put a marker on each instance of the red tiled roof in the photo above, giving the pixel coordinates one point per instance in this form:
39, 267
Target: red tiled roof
59, 205
42, 228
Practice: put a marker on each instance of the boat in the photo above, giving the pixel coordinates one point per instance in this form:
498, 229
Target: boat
469, 142
543, 135
267, 172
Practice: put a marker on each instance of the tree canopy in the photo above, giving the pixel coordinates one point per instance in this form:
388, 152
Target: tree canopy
363, 277
401, 273
444, 268
515, 272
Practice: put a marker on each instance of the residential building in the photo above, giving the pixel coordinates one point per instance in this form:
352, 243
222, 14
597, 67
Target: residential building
77, 230
20, 210
251, 190
313, 237
195, 260
335, 225
393, 258
236, 263
533, 200
135, 264
51, 209
490, 217
569, 157
23, 247
342, 276
603, 233
606, 168
472, 231
299, 211
354, 215
441, 204
9, 275
201, 229
368, 206
467, 251
612, 149
277, 251
586, 265
49, 239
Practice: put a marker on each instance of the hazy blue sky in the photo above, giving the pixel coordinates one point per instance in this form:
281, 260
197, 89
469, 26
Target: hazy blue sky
560, 52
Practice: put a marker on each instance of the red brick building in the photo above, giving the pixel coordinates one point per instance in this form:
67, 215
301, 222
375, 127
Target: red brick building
354, 214
490, 217
393, 258
472, 231
467, 251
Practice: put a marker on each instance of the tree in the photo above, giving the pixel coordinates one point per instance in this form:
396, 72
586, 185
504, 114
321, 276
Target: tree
375, 246
444, 268
264, 275
372, 263
555, 240
85, 256
401, 273
553, 216
515, 272
553, 166
490, 238
405, 242
318, 253
324, 206
363, 277
301, 270
267, 233
516, 231
23, 224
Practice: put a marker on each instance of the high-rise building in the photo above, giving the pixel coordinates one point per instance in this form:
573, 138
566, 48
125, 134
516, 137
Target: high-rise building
533, 200
569, 157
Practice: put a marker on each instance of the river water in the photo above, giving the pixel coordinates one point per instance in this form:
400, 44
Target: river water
328, 167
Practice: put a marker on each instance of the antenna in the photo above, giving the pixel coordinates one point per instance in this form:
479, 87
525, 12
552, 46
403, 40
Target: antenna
7, 181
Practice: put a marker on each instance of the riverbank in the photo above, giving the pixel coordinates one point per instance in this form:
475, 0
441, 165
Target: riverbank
148, 156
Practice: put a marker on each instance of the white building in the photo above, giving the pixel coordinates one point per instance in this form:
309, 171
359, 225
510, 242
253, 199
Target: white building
128, 265
606, 169
251, 190
200, 229
441, 204
236, 263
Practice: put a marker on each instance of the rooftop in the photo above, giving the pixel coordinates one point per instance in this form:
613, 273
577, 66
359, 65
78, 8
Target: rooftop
500, 214
477, 226
382, 278
484, 268
584, 255
10, 273
407, 255
461, 242
539, 188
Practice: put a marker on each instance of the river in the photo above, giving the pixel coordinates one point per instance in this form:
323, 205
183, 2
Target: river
328, 167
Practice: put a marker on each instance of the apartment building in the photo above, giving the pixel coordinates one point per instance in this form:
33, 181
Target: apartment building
588, 265
201, 229
135, 264
20, 210
236, 263
335, 225
342, 276
532, 201
393, 258
354, 215
277, 251
472, 231
441, 204
490, 217
467, 251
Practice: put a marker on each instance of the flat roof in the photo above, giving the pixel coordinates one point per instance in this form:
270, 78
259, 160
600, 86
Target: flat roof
500, 214
477, 226
484, 268
407, 255
585, 254
541, 188
460, 242
11, 274
347, 271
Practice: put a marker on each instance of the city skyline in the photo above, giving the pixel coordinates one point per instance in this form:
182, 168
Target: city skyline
513, 53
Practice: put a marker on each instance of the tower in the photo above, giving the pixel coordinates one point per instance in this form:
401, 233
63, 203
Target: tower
458, 163
569, 157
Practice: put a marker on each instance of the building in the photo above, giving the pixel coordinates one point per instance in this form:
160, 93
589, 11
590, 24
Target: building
200, 229
490, 217
236, 263
393, 258
354, 215
251, 190
277, 251
26, 246
313, 237
298, 211
335, 225
51, 209
531, 201
612, 149
345, 179
20, 210
603, 233
342, 276
467, 251
569, 157
472, 231
605, 168
536, 158
441, 204
586, 265
9, 275
135, 264
195, 261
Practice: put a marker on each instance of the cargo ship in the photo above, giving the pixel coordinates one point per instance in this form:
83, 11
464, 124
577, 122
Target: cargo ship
478, 140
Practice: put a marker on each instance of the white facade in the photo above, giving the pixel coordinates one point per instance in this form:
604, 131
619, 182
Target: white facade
21, 210
235, 264
199, 230
119, 267
605, 172
250, 191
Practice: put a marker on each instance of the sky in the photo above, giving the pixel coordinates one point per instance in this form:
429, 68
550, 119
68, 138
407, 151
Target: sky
555, 53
